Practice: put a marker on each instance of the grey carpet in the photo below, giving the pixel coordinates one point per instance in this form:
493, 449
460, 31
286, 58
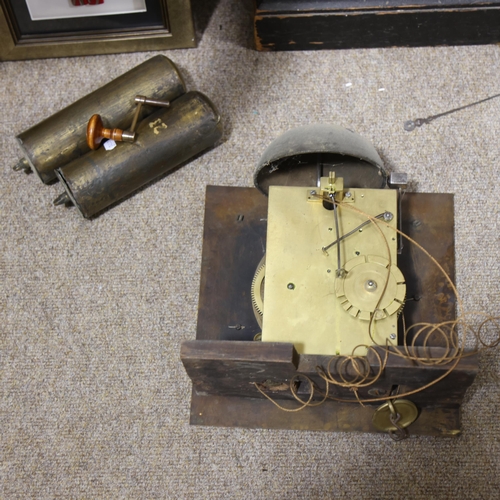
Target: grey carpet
94, 399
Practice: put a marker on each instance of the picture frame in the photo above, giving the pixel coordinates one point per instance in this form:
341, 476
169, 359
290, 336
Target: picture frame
167, 24
60, 9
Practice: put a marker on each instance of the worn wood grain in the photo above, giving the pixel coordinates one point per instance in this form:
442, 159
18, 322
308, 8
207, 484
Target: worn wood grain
231, 368
335, 24
222, 411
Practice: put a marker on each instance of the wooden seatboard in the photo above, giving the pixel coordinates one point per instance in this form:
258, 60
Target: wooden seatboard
234, 242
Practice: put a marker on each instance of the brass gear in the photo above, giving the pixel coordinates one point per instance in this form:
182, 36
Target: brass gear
257, 290
361, 288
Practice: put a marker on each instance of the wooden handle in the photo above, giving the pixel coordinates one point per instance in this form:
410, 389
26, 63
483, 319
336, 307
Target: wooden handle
96, 132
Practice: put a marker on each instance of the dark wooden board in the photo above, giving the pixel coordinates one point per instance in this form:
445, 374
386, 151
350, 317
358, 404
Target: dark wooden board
341, 24
231, 368
331, 416
428, 219
231, 247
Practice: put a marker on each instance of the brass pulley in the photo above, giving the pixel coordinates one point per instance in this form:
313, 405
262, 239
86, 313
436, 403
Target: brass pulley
394, 417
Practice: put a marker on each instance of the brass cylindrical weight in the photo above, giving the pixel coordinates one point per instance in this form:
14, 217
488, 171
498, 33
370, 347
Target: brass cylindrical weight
61, 138
165, 139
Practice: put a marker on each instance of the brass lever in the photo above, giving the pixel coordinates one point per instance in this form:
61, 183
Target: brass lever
140, 100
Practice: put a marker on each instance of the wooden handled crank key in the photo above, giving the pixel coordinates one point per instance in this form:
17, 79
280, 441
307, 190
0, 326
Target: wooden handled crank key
96, 132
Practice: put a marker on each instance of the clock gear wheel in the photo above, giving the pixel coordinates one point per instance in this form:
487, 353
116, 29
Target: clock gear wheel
363, 284
257, 290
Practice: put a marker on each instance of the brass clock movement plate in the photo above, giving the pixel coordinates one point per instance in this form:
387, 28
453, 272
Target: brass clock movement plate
312, 301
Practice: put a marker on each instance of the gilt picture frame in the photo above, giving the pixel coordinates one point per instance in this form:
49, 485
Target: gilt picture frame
166, 24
